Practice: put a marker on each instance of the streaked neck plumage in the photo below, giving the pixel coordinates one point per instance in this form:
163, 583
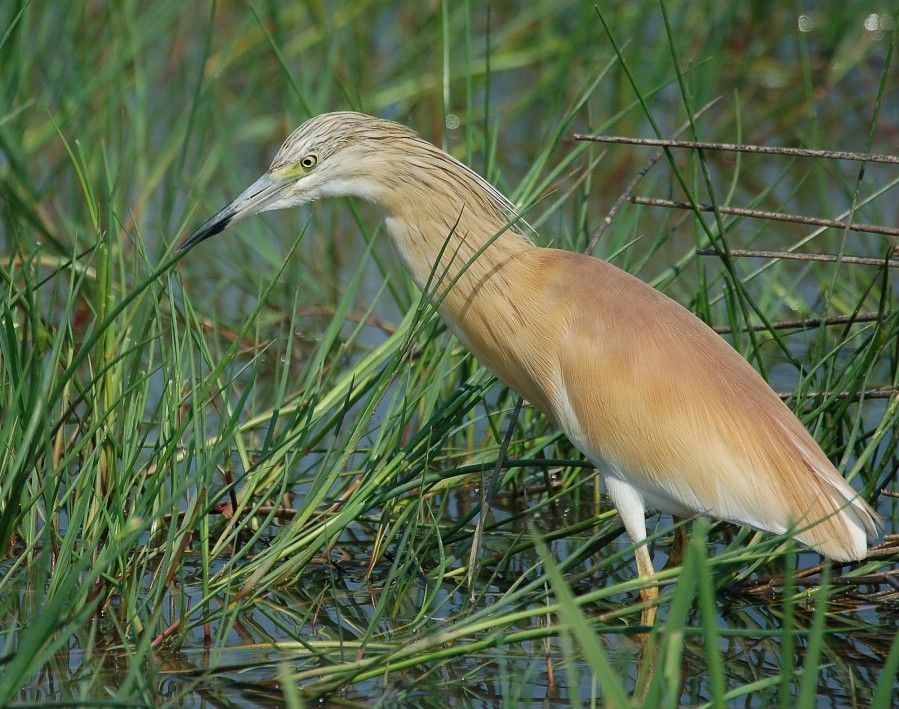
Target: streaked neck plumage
463, 245
457, 234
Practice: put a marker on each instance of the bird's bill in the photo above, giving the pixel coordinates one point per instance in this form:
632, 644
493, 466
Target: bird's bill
254, 199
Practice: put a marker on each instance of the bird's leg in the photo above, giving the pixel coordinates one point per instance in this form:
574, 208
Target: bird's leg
646, 665
632, 509
648, 594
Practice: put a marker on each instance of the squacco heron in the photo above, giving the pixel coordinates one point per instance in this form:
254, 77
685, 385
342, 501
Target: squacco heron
670, 414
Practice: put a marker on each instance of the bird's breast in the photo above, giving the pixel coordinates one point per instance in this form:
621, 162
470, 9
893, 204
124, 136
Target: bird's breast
501, 318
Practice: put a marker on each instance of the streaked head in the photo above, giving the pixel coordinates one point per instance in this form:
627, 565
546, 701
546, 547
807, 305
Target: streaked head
330, 155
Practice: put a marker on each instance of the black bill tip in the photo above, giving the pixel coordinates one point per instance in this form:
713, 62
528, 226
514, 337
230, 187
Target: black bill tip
256, 198
211, 227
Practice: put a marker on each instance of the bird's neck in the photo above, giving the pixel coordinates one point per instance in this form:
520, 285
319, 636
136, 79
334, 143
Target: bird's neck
455, 234
459, 256
482, 279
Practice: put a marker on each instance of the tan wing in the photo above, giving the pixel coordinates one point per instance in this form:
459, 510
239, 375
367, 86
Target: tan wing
663, 398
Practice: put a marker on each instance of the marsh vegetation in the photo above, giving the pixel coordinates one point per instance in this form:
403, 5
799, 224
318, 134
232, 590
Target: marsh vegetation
252, 477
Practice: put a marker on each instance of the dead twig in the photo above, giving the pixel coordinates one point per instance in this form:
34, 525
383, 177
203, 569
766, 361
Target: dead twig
804, 323
735, 148
329, 311
888, 550
794, 256
873, 393
774, 216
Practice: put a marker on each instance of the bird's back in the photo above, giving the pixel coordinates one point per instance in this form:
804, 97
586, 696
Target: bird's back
653, 395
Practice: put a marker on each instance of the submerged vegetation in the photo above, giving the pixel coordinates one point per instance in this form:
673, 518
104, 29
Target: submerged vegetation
253, 475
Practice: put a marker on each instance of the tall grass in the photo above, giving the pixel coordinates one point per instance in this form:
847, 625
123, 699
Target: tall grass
251, 474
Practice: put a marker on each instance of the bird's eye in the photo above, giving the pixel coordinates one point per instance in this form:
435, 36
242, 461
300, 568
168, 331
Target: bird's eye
309, 161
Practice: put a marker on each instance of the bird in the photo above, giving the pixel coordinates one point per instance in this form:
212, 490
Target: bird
673, 417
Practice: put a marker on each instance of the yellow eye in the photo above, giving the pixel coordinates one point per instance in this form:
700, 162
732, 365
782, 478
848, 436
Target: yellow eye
309, 161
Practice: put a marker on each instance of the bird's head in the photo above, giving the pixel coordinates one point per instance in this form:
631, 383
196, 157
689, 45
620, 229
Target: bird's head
330, 155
